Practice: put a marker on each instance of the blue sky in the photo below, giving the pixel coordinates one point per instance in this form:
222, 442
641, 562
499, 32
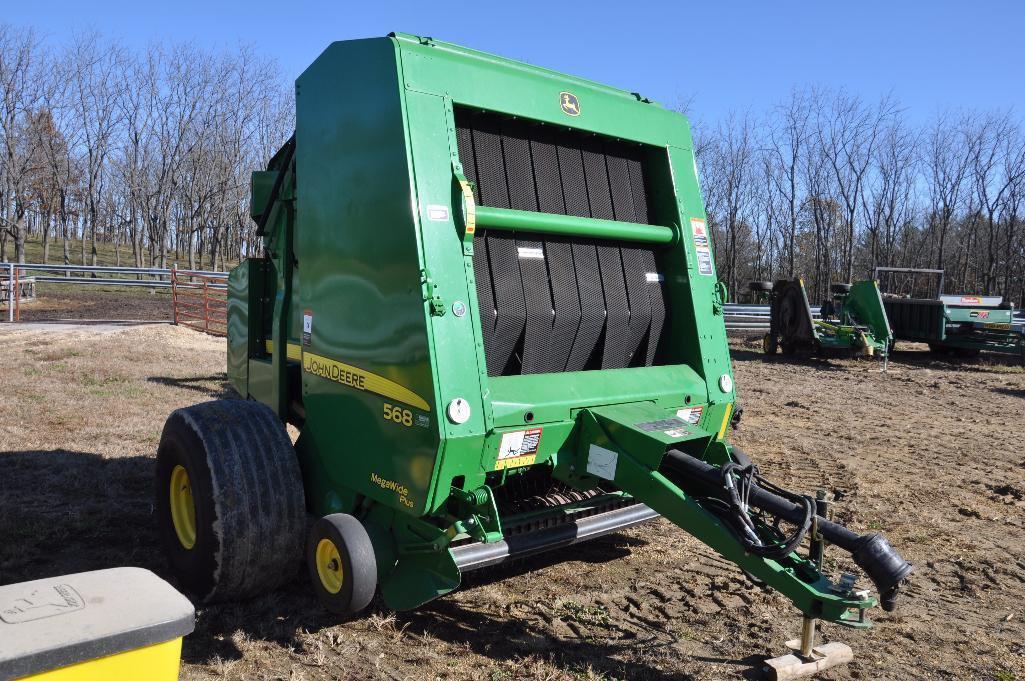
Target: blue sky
722, 56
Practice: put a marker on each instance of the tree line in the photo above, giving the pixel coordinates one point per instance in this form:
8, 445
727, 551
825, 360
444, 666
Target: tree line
827, 186
149, 151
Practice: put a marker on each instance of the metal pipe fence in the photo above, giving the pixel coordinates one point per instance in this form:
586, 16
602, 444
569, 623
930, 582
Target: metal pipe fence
203, 293
200, 302
12, 281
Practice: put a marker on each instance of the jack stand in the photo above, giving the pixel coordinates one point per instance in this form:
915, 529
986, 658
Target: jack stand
807, 657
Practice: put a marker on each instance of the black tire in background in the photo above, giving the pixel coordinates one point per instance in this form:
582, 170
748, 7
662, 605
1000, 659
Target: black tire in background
356, 572
249, 508
760, 286
840, 288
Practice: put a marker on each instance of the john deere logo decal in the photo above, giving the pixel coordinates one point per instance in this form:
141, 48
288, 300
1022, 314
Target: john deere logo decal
569, 103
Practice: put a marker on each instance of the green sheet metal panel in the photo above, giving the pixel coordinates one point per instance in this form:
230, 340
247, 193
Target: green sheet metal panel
239, 289
866, 304
359, 269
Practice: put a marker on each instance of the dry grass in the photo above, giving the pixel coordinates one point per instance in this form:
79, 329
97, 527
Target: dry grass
930, 453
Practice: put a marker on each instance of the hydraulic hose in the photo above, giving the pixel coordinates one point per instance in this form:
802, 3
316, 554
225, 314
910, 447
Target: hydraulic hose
872, 553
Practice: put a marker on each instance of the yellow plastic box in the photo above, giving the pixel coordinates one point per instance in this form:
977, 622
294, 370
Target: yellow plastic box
107, 625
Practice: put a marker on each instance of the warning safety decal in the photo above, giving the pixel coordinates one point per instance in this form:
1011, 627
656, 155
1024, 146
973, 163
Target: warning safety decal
673, 427
518, 448
691, 415
702, 246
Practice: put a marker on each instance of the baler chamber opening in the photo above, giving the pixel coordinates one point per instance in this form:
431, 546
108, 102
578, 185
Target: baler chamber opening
591, 297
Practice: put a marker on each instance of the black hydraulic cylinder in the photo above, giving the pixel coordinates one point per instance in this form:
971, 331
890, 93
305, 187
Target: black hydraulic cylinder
872, 553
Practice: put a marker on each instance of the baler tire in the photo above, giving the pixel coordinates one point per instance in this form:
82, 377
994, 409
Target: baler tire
342, 538
769, 344
840, 289
760, 286
247, 501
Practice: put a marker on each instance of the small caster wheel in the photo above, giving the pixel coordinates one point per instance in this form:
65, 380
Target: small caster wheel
342, 565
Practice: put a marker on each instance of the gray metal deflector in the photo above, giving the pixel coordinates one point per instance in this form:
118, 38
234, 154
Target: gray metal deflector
479, 555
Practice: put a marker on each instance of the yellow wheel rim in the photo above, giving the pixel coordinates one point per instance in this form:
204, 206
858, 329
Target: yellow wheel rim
183, 508
329, 566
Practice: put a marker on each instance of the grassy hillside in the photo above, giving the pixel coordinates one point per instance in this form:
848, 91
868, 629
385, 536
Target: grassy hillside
106, 254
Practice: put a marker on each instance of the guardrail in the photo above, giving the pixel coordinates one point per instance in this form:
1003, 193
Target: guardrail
208, 285
12, 274
744, 317
741, 317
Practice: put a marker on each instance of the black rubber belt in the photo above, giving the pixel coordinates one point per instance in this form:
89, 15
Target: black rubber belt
565, 301
640, 304
485, 299
592, 306
617, 308
656, 297
538, 298
510, 308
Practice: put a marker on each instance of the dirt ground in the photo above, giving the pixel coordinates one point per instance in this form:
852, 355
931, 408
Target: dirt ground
65, 302
930, 453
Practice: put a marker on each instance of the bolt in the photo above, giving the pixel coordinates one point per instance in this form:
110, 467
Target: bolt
333, 565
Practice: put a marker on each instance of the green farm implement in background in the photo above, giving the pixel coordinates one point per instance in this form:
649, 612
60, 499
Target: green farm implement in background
853, 320
962, 325
488, 305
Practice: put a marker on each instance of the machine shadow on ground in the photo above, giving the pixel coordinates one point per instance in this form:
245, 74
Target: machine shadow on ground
73, 511
222, 390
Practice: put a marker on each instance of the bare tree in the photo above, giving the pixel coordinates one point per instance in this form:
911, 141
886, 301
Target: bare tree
21, 78
888, 201
96, 74
947, 160
787, 143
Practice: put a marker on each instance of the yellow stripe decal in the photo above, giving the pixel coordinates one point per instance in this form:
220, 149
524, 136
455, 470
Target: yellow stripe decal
357, 378
726, 420
294, 351
515, 462
471, 207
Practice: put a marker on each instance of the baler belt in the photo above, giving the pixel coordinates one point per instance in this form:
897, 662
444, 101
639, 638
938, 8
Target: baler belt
510, 309
656, 298
485, 300
565, 302
592, 306
549, 303
514, 163
617, 308
635, 274
536, 357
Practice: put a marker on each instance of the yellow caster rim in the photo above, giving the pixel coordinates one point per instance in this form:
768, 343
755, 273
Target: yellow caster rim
329, 566
183, 508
